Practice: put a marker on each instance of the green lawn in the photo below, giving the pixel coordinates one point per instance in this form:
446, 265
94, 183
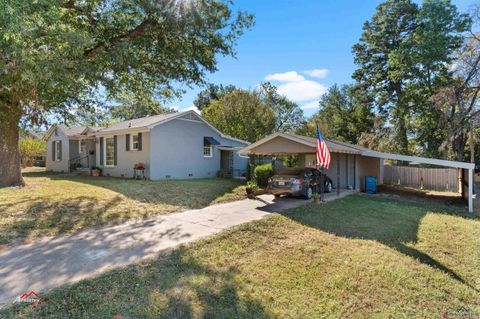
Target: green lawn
53, 204
357, 257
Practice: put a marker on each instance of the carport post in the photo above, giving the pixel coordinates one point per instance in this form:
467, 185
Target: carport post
470, 190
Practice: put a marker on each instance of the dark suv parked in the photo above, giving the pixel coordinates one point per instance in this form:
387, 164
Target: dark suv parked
298, 182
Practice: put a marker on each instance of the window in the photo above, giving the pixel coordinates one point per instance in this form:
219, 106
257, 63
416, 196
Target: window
207, 151
134, 142
109, 151
58, 151
82, 146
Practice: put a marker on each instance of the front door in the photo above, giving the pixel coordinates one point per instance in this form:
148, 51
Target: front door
226, 162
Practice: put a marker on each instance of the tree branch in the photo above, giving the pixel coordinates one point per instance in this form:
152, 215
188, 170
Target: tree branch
132, 34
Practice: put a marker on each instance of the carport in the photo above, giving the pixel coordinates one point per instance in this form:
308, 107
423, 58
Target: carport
350, 163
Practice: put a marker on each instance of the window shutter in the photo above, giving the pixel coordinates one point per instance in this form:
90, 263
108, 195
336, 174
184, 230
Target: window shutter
139, 141
127, 142
115, 150
53, 151
60, 149
101, 151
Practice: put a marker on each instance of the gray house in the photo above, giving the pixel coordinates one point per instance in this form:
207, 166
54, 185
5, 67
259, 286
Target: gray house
177, 145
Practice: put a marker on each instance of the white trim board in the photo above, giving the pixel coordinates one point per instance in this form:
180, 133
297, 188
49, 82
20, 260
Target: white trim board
417, 159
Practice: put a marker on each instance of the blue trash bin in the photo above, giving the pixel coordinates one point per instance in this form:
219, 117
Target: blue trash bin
371, 184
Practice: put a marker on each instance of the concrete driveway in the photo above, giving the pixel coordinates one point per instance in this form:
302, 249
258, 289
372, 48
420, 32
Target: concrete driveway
53, 262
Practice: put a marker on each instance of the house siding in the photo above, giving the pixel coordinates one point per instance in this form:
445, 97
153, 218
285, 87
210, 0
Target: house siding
177, 151
126, 159
51, 164
74, 149
347, 176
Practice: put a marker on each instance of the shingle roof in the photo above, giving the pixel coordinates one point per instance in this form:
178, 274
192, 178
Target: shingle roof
72, 130
138, 123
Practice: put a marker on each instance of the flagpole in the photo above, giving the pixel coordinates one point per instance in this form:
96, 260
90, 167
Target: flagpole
321, 188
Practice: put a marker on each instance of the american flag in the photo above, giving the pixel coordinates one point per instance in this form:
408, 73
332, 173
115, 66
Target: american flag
323, 154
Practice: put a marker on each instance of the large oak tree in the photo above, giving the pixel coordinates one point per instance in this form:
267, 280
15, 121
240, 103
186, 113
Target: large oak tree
57, 53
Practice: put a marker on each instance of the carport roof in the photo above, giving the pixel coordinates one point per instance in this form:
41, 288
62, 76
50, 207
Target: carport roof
308, 145
309, 142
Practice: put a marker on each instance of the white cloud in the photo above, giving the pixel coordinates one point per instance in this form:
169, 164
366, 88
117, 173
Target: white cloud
317, 73
300, 91
291, 76
310, 105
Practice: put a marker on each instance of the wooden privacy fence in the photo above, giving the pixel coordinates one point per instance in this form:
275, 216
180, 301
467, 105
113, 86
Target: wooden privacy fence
439, 179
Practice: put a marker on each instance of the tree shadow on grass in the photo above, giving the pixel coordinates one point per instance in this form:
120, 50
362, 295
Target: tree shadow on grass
191, 193
394, 223
42, 217
175, 285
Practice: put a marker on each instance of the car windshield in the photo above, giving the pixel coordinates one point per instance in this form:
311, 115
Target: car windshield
291, 171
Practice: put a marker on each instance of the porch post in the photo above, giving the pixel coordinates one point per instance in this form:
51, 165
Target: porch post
338, 174
470, 190
355, 171
346, 168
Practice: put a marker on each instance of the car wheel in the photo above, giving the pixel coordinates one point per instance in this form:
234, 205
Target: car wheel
328, 187
309, 193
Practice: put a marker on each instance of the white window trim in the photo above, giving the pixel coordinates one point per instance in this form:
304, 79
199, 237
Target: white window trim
57, 157
105, 152
211, 151
131, 142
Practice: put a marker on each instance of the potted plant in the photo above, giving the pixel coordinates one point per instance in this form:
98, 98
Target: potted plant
96, 171
251, 188
139, 165
316, 198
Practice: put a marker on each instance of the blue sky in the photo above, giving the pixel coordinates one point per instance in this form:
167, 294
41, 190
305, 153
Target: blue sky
301, 46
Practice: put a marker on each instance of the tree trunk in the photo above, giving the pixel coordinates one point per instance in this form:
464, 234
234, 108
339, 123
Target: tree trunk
458, 146
472, 145
10, 169
401, 119
402, 138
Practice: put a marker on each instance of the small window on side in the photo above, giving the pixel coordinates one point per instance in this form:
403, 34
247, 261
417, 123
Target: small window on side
57, 151
134, 142
207, 151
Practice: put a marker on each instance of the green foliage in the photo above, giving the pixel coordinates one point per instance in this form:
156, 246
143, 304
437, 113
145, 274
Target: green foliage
343, 115
125, 47
211, 93
288, 115
241, 114
403, 58
30, 148
249, 115
262, 173
291, 160
252, 185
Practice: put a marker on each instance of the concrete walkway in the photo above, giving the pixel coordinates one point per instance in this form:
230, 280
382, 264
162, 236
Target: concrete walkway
67, 259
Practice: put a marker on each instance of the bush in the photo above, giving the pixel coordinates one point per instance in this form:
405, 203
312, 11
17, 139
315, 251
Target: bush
262, 173
29, 148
